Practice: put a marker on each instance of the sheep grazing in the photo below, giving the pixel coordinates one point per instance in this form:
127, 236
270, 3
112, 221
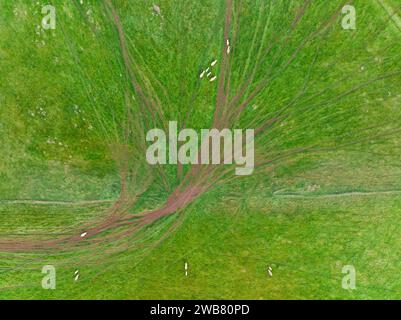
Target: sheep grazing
228, 46
214, 78
213, 63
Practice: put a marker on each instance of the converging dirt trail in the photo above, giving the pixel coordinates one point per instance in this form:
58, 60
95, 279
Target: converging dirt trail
194, 184
120, 222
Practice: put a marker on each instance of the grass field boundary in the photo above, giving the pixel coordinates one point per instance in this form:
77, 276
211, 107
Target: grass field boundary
337, 195
55, 203
275, 194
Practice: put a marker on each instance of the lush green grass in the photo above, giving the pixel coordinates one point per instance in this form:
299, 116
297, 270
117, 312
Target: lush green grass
307, 242
62, 107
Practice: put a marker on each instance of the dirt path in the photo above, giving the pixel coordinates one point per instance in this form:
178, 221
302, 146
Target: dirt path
185, 193
196, 181
55, 203
337, 195
291, 195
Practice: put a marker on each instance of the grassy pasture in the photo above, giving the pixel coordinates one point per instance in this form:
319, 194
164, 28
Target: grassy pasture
62, 108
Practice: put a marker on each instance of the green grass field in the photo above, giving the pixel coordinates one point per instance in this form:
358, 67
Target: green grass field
65, 128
